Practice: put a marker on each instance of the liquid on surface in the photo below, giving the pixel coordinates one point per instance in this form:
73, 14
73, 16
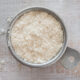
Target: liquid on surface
37, 37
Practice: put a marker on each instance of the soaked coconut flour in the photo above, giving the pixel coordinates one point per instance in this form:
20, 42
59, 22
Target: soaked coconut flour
37, 37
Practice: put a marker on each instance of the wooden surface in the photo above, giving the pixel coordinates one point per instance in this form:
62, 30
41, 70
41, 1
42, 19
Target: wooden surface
69, 11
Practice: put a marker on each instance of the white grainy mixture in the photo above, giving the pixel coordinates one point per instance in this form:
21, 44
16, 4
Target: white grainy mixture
37, 37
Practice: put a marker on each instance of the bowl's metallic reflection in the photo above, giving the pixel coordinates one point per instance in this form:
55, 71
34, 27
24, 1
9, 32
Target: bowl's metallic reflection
51, 61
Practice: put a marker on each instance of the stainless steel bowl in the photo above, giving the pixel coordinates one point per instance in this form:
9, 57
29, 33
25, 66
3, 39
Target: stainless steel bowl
51, 61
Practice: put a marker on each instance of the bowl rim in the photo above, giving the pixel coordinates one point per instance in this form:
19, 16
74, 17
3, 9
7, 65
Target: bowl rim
49, 62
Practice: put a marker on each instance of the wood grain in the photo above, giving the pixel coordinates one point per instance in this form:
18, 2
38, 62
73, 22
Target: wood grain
69, 11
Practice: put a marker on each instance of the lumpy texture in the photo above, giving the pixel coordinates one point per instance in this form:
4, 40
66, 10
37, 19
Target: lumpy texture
37, 37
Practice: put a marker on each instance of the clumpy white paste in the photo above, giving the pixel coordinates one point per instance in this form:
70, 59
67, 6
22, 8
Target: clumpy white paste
37, 37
